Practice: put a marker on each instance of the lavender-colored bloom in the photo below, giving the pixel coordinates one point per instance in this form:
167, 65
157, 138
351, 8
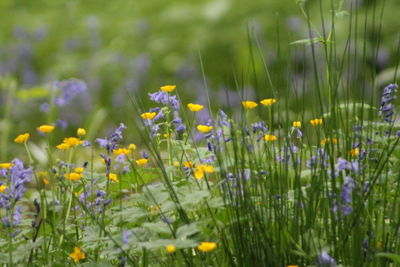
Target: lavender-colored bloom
126, 234
69, 89
63, 124
110, 143
386, 108
160, 115
259, 126
154, 130
223, 119
325, 260
174, 102
144, 154
45, 107
16, 216
347, 190
159, 97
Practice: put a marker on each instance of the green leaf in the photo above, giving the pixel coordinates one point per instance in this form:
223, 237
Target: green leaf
307, 41
393, 257
187, 230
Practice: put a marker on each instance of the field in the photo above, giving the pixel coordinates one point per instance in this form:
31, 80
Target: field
208, 133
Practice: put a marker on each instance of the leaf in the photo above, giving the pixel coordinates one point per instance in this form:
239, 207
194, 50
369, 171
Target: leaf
307, 41
393, 257
158, 227
187, 230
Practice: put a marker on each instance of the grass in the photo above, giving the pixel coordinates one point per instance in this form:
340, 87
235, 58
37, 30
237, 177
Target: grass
255, 184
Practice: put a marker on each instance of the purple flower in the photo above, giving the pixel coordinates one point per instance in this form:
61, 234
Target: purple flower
159, 97
325, 260
69, 89
110, 142
126, 234
386, 108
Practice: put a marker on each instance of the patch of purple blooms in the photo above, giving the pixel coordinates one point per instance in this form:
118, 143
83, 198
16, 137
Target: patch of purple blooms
387, 109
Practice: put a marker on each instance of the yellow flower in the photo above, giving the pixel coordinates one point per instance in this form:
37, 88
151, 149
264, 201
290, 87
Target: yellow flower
62, 146
168, 88
354, 152
77, 254
142, 161
46, 128
188, 164
121, 151
81, 132
113, 177
72, 141
45, 181
78, 170
170, 248
201, 169
73, 176
269, 137
204, 128
6, 165
249, 104
297, 124
22, 138
268, 102
132, 147
154, 208
207, 246
148, 115
292, 265
327, 140
195, 107
316, 122
3, 188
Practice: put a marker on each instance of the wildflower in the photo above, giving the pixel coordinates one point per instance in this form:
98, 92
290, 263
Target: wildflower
269, 137
387, 109
77, 254
81, 132
125, 236
110, 143
148, 115
325, 260
69, 90
355, 152
195, 107
249, 104
170, 248
328, 140
268, 102
72, 141
316, 122
201, 169
168, 88
347, 189
122, 151
3, 188
46, 128
6, 166
296, 124
45, 181
113, 177
73, 176
132, 147
207, 246
188, 164
142, 161
204, 128
62, 146
154, 208
78, 170
22, 138
159, 97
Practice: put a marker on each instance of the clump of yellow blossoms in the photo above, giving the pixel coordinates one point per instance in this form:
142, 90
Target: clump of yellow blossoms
22, 138
6, 165
269, 138
201, 169
249, 104
113, 177
204, 128
328, 140
207, 246
81, 132
142, 161
122, 151
73, 176
296, 124
3, 188
148, 115
170, 249
77, 254
168, 88
316, 122
195, 107
69, 142
268, 102
46, 128
355, 152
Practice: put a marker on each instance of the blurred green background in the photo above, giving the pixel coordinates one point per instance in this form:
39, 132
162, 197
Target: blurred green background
133, 47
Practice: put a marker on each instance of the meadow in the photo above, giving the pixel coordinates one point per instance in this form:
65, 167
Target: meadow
243, 134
